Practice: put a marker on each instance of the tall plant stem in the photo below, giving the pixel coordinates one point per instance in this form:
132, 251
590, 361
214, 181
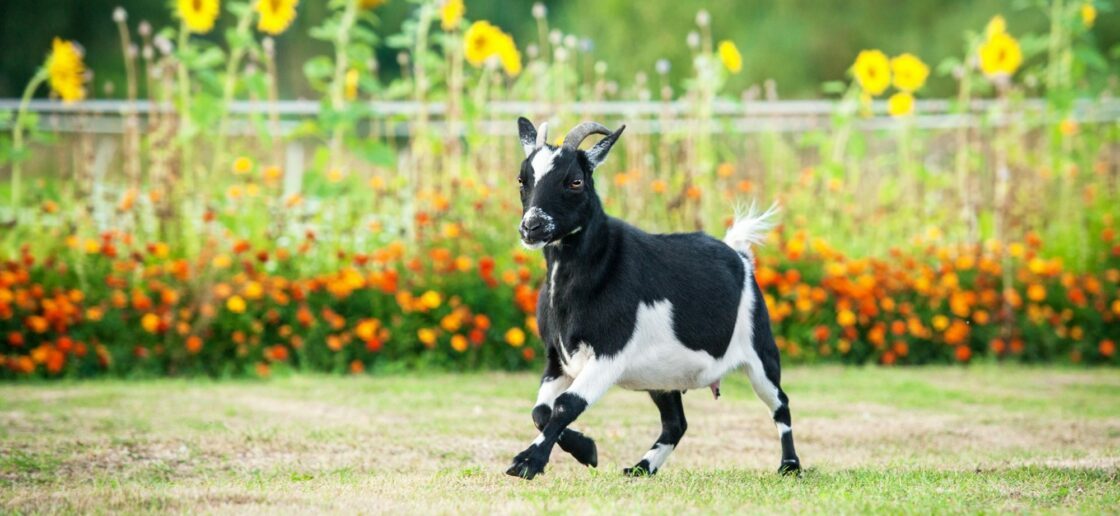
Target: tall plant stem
186, 128
338, 84
17, 137
228, 89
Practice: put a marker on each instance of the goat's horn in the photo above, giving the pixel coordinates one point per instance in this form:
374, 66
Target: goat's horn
542, 135
582, 131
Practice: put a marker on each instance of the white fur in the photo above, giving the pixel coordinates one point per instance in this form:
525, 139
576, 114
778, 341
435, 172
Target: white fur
574, 363
552, 284
658, 455
551, 389
783, 428
542, 162
750, 229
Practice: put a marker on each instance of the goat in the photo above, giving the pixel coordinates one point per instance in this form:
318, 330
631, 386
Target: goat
619, 306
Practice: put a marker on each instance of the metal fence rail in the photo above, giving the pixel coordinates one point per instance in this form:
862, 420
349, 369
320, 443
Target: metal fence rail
107, 116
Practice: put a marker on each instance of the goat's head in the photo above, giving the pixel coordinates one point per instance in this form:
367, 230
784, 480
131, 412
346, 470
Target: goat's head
557, 189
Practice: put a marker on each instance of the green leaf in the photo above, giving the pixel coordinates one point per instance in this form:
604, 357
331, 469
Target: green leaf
372, 151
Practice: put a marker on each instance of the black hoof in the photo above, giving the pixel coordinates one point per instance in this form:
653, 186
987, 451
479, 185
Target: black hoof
526, 466
640, 469
581, 447
790, 467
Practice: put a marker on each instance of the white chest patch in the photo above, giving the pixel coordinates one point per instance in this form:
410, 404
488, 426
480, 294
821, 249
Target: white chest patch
575, 362
542, 162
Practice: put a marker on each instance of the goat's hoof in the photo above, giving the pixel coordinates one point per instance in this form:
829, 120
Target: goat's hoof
583, 449
640, 469
790, 467
526, 466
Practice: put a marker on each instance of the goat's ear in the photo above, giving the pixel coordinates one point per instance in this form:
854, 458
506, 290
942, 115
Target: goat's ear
597, 154
528, 135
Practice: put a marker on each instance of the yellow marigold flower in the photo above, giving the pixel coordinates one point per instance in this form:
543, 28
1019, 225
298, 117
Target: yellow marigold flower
909, 72
729, 54
351, 85
431, 299
509, 55
872, 71
480, 42
427, 336
1036, 292
66, 70
235, 304
451, 14
198, 15
1000, 55
242, 165
371, 4
515, 337
1088, 14
900, 104
276, 15
150, 322
846, 318
997, 25
459, 343
940, 322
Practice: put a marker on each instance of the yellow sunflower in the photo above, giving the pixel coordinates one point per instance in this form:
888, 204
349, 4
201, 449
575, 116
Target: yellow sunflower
909, 72
901, 104
66, 70
729, 54
198, 15
1088, 14
872, 71
371, 4
997, 25
451, 14
276, 15
1000, 55
481, 41
509, 55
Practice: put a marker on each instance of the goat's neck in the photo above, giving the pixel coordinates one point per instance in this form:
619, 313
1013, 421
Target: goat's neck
583, 257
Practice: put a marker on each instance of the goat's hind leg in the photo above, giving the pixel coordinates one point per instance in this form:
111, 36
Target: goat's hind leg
767, 385
673, 426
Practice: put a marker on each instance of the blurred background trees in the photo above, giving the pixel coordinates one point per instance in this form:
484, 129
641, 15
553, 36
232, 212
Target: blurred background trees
798, 43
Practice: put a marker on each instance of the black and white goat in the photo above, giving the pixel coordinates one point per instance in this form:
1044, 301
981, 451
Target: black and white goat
656, 313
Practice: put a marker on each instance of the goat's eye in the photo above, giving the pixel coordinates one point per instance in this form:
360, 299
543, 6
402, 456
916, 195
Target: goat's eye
576, 185
520, 181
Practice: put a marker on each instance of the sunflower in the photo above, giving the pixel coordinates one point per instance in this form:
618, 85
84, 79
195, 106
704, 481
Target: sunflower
66, 70
276, 15
901, 104
1000, 55
997, 25
509, 55
872, 71
451, 14
909, 72
371, 4
1088, 14
729, 54
198, 15
481, 42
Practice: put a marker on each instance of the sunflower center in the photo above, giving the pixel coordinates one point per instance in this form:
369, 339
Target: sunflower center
196, 5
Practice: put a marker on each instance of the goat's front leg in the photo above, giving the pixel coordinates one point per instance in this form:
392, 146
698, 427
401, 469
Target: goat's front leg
593, 381
581, 447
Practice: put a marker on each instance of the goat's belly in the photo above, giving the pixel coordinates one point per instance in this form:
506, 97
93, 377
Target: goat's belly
672, 366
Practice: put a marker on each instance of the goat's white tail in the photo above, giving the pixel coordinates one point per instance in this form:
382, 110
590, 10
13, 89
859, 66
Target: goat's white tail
750, 228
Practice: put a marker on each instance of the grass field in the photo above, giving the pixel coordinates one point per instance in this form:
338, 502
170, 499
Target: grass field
887, 440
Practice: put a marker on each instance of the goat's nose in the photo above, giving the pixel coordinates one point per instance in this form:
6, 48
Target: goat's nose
531, 224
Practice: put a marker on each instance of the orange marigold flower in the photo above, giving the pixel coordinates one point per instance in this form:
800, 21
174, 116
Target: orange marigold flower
150, 322
963, 353
427, 337
194, 344
357, 367
1107, 348
459, 343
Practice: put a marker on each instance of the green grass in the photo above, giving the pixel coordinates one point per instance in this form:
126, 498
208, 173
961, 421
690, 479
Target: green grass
874, 440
